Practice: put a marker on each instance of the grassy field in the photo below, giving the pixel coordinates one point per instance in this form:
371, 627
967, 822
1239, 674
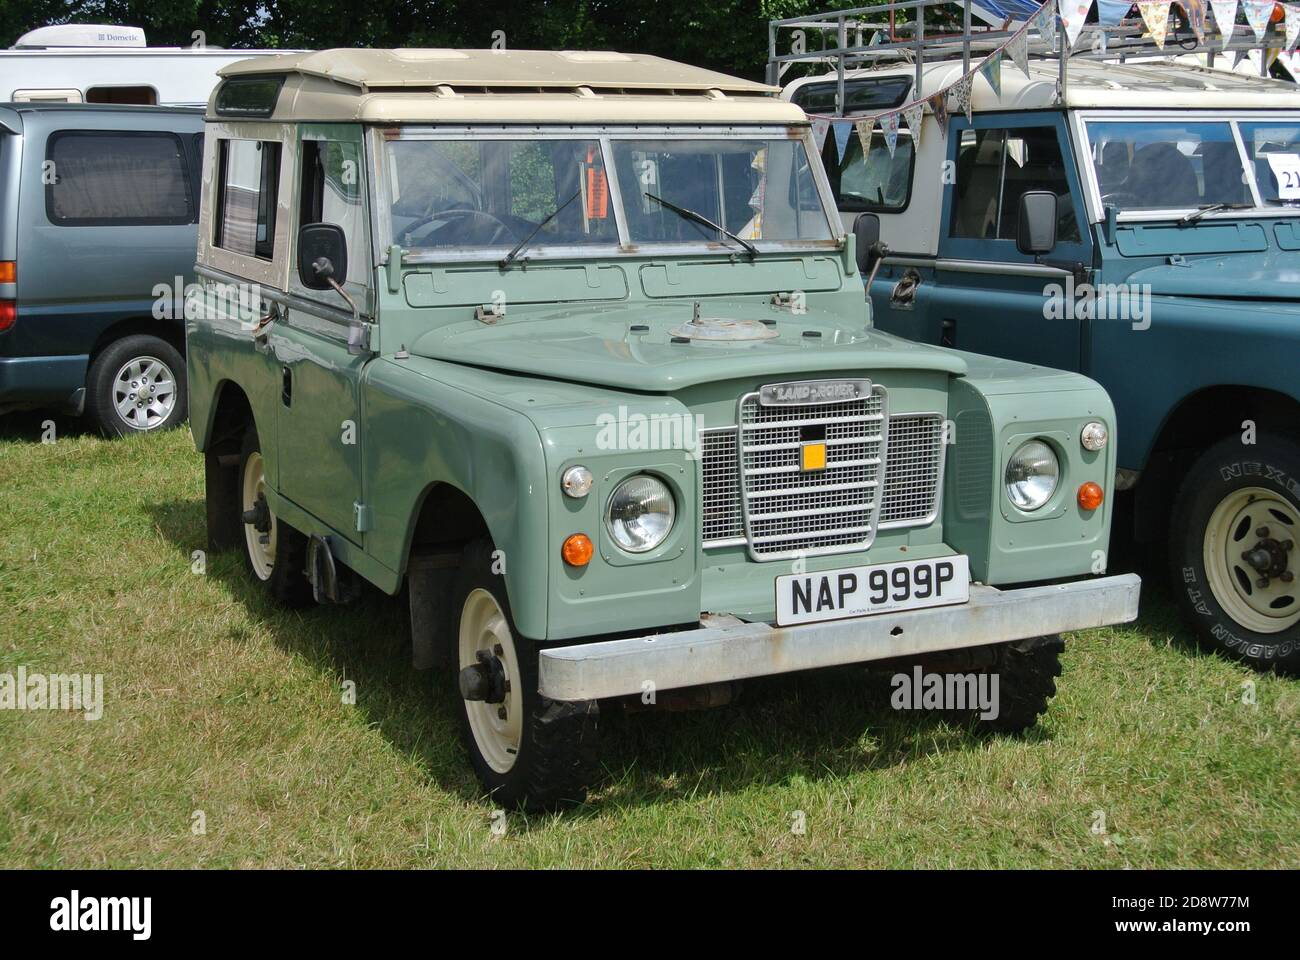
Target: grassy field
217, 702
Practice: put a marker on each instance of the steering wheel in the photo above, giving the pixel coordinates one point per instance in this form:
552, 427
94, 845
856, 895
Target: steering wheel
1122, 198
498, 226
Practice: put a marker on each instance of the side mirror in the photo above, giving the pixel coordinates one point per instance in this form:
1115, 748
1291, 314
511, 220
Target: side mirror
1036, 229
866, 234
322, 255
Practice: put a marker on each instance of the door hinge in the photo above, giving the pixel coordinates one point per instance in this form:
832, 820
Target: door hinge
361, 513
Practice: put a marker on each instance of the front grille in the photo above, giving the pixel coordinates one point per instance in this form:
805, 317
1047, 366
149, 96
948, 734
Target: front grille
913, 471
914, 455
789, 510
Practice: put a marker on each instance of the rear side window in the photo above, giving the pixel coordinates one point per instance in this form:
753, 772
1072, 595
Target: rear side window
117, 178
247, 178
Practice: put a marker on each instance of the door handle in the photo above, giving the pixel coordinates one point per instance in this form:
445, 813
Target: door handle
286, 386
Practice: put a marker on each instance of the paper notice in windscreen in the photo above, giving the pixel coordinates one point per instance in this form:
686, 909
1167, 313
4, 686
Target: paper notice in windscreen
1286, 168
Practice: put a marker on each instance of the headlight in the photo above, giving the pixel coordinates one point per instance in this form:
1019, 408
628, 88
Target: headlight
1093, 436
641, 513
1032, 474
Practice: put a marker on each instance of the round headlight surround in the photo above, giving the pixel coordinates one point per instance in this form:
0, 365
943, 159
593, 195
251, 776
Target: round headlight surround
636, 498
1032, 475
1094, 436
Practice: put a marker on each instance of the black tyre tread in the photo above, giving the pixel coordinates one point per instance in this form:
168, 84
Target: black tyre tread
288, 585
1027, 672
99, 405
1202, 488
559, 758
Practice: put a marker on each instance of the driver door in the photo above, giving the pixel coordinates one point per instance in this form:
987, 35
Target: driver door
320, 417
990, 297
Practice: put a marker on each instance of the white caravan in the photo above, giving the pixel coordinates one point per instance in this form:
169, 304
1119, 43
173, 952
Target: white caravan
98, 63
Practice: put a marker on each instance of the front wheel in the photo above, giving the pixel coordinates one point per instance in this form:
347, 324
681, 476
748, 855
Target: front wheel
528, 751
1235, 563
1025, 673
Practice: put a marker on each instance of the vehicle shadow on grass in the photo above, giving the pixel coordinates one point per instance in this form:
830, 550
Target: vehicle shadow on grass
31, 426
825, 724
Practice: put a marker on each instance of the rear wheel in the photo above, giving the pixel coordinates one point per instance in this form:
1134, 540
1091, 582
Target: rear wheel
1234, 559
528, 751
136, 385
276, 553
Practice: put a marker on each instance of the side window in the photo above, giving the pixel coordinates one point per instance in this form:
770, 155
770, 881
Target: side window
332, 193
109, 178
876, 182
248, 174
994, 167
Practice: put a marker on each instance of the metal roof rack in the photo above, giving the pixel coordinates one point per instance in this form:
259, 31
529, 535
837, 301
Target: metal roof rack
923, 32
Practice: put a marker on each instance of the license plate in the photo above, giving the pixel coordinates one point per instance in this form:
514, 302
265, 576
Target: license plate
864, 591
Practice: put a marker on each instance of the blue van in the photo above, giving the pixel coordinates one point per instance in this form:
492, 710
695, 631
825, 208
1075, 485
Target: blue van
1137, 222
99, 210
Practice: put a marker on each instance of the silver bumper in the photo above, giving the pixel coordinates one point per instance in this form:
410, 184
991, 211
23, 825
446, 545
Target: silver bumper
724, 648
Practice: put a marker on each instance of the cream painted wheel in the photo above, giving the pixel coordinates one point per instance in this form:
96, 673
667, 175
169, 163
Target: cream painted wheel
259, 533
497, 728
1249, 555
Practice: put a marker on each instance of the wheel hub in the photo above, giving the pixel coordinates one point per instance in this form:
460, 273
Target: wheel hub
259, 515
1270, 557
485, 680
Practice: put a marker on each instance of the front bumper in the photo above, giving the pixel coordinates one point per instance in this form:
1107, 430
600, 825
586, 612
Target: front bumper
724, 648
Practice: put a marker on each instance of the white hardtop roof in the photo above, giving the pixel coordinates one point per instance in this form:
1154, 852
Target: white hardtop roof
529, 86
1095, 84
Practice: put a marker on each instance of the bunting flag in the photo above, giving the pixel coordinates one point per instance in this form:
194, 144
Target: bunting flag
961, 90
842, 129
1257, 14
864, 128
914, 116
991, 69
889, 126
820, 127
1111, 12
939, 107
1018, 50
1045, 23
1195, 10
1225, 15
1156, 17
1292, 25
1073, 14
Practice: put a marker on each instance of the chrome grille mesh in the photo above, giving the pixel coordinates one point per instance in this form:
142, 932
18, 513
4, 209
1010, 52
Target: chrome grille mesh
912, 475
914, 456
788, 509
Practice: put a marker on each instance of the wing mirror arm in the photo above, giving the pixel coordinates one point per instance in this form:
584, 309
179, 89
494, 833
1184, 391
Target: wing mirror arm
358, 333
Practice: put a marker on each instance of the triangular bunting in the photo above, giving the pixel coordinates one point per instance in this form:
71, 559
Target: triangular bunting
1156, 17
939, 107
889, 127
820, 127
914, 116
1017, 49
1045, 23
864, 128
842, 130
961, 90
1195, 10
1111, 12
991, 69
1225, 16
1292, 25
1073, 14
1257, 14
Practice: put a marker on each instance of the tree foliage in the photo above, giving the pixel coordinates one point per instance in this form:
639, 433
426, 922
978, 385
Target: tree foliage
726, 35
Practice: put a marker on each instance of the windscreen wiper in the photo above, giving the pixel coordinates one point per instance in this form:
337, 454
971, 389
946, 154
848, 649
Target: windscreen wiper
509, 258
1211, 208
705, 221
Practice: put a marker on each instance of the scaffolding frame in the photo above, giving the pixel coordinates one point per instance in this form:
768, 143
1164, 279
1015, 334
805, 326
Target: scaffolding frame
899, 33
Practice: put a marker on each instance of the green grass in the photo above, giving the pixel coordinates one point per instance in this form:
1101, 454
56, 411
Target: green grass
217, 701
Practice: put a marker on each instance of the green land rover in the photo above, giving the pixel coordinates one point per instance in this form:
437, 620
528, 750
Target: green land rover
572, 347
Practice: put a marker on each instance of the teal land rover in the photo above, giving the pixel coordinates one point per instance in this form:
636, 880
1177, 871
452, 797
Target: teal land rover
571, 346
